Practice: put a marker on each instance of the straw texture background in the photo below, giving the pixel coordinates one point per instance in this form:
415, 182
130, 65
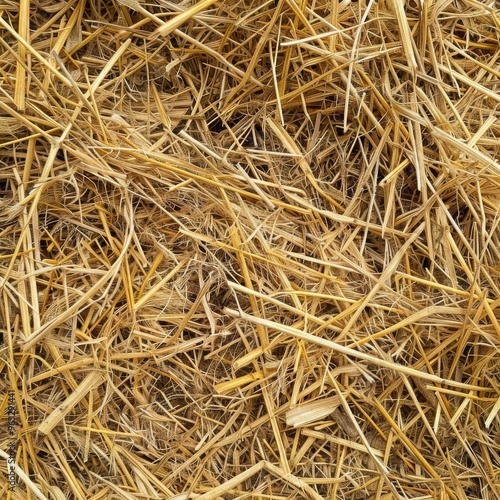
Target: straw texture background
250, 249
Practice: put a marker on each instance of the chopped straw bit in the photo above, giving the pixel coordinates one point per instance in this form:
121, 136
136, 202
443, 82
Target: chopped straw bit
250, 249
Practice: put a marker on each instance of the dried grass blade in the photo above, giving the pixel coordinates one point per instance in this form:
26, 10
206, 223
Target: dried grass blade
23, 29
168, 27
334, 346
91, 382
144, 298
406, 36
311, 411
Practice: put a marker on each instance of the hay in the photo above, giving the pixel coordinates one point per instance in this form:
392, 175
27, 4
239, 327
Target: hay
250, 249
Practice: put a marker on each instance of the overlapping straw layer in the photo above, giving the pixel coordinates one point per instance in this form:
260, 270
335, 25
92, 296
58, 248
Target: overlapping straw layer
250, 249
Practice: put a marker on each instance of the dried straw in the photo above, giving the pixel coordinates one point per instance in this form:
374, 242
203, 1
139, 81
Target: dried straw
250, 249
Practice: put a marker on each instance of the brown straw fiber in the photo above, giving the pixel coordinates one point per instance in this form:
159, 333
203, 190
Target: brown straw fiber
250, 249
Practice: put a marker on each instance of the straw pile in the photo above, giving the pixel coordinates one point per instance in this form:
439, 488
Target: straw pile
250, 249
